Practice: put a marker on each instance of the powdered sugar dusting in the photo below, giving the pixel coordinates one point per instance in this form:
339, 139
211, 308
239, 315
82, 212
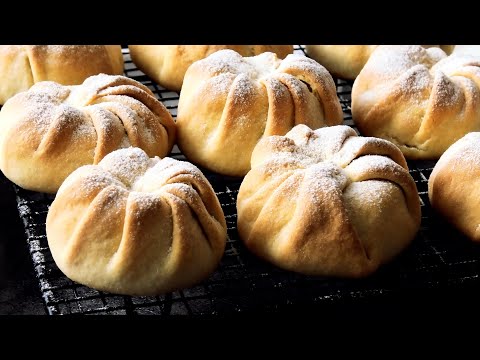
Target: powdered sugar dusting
302, 63
436, 54
88, 179
295, 86
40, 104
465, 151
95, 181
326, 182
469, 87
255, 87
60, 49
242, 90
390, 62
225, 61
162, 172
92, 86
449, 66
70, 117
414, 81
413, 86
445, 92
415, 67
319, 145
126, 164
372, 192
40, 116
375, 165
355, 146
264, 64
281, 162
229, 68
218, 86
322, 153
276, 87
229, 61
142, 177
470, 156
143, 201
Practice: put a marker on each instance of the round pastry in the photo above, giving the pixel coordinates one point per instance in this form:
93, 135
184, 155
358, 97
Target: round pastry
346, 61
343, 61
51, 129
21, 66
228, 102
454, 185
420, 99
136, 225
327, 202
167, 64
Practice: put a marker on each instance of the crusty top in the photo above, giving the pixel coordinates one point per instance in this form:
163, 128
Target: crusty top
21, 66
167, 64
420, 99
136, 225
228, 102
228, 70
346, 61
50, 130
322, 202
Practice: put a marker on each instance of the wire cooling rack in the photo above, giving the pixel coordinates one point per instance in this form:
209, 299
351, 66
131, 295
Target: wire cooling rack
439, 256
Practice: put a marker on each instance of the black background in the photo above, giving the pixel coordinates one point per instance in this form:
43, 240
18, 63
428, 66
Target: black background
19, 292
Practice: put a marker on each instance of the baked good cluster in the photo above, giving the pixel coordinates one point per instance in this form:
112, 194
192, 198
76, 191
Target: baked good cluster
317, 197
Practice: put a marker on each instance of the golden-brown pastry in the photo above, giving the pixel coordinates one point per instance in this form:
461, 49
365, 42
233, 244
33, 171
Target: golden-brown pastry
51, 129
327, 202
136, 225
420, 99
21, 66
229, 102
346, 61
167, 64
454, 185
343, 61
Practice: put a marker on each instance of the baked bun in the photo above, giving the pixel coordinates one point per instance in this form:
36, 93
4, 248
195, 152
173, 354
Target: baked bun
343, 61
420, 99
228, 102
21, 66
167, 64
454, 185
136, 225
327, 202
51, 129
346, 61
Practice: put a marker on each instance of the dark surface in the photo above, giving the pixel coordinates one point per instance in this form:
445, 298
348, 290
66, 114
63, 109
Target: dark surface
19, 291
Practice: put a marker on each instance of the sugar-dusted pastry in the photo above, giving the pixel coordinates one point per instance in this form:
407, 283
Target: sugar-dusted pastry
420, 99
136, 225
229, 102
346, 61
21, 66
454, 185
51, 129
327, 202
167, 64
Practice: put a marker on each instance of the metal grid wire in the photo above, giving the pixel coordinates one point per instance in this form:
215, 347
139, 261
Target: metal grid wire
438, 256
